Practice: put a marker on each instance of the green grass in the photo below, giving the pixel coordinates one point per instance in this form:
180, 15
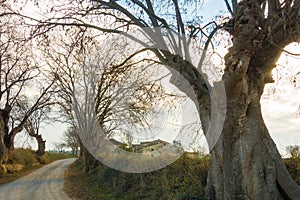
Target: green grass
51, 156
25, 157
184, 179
293, 166
29, 158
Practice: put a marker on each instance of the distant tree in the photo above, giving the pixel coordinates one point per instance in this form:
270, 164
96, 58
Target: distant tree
70, 138
60, 146
129, 139
294, 151
86, 65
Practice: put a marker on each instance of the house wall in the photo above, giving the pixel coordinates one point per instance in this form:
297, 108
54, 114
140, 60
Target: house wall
152, 147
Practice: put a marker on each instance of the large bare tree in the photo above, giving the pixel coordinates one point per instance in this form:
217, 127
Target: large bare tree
70, 137
87, 64
19, 77
34, 122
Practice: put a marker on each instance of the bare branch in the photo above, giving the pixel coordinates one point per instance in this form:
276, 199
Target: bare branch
229, 8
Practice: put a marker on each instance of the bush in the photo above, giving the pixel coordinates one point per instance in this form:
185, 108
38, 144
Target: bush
294, 151
26, 157
293, 163
49, 157
183, 180
29, 158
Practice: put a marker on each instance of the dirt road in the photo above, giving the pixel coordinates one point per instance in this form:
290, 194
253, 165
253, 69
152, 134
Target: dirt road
45, 183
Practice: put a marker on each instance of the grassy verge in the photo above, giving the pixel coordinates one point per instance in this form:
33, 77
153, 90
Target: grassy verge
30, 162
293, 166
9, 177
184, 179
77, 185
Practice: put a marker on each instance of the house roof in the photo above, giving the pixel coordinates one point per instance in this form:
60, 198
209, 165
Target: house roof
116, 142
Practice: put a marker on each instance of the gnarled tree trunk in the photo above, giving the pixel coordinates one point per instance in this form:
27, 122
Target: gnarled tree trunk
9, 138
245, 163
4, 118
3, 150
9, 141
41, 145
88, 159
34, 132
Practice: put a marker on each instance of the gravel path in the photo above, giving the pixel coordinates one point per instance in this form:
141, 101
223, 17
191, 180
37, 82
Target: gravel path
45, 183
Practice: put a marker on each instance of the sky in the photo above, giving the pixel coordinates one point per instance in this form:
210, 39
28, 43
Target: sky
279, 103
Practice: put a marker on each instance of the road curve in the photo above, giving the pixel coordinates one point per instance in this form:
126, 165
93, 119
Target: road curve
45, 183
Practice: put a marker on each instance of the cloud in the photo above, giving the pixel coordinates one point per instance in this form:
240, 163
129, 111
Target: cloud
281, 101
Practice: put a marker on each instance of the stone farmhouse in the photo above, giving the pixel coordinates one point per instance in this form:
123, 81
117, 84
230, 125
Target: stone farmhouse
149, 146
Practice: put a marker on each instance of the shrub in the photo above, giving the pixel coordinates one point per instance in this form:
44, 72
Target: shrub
21, 156
184, 179
293, 163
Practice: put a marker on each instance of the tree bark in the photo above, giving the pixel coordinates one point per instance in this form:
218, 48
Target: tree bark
4, 118
3, 150
9, 141
89, 161
41, 145
245, 163
2, 145
32, 132
9, 138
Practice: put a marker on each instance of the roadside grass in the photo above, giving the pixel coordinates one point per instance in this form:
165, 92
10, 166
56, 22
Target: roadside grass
49, 157
77, 184
30, 160
184, 179
293, 166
